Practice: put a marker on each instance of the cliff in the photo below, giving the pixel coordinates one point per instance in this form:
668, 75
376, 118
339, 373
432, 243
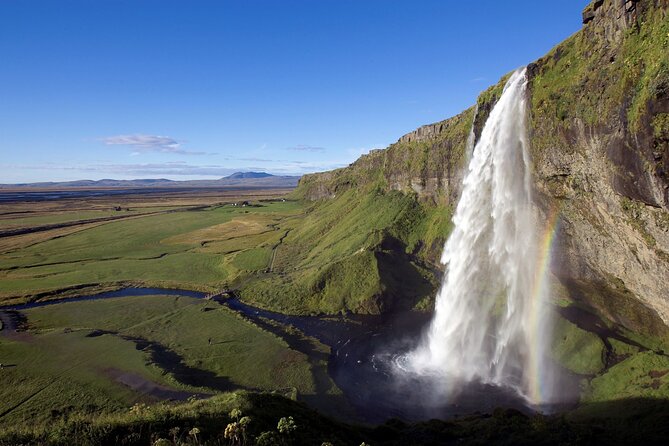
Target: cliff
599, 104
428, 161
599, 129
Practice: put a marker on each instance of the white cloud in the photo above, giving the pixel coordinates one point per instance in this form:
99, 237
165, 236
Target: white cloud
149, 143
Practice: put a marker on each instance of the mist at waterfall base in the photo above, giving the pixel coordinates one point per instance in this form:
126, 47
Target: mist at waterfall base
488, 341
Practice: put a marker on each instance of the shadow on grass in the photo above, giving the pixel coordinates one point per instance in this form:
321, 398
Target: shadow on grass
623, 422
404, 283
172, 363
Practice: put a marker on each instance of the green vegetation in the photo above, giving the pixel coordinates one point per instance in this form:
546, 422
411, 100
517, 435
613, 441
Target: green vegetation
366, 259
105, 355
268, 419
660, 126
253, 259
182, 325
60, 372
582, 78
578, 350
170, 250
645, 375
282, 255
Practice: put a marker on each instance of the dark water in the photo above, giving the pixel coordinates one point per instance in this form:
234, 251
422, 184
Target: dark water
361, 363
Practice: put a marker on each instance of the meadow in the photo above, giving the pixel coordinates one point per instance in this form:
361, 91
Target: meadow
106, 355
192, 244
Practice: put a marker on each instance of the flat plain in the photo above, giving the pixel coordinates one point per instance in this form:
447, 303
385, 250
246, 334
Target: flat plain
106, 355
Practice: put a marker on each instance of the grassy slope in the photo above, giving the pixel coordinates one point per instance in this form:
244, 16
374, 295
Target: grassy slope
337, 256
578, 350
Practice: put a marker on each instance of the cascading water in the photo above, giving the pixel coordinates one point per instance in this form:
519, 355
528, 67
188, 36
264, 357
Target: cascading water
490, 323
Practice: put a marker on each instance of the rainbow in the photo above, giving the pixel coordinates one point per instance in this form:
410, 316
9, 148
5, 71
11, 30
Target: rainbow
537, 378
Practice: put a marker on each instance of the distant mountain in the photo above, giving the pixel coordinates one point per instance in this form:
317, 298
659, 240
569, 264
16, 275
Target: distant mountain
106, 182
238, 175
236, 180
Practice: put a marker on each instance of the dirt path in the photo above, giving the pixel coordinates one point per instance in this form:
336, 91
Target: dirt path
270, 268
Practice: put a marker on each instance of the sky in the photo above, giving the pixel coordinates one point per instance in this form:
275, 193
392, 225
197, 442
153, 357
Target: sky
195, 89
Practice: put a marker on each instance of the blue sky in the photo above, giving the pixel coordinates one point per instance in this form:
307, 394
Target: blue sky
200, 89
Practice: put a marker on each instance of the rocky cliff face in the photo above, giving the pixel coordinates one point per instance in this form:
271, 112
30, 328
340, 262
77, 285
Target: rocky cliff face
599, 103
599, 128
428, 162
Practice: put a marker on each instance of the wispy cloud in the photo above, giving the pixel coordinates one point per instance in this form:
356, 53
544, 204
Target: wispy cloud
179, 168
306, 148
149, 143
477, 79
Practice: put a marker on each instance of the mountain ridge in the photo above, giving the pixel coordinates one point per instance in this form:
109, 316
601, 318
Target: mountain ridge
237, 179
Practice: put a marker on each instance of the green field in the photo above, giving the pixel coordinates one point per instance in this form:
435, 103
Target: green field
108, 354
181, 250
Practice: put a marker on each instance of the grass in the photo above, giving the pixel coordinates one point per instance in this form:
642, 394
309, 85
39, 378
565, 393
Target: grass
253, 259
246, 355
329, 265
644, 374
174, 249
176, 424
583, 79
73, 353
578, 350
61, 371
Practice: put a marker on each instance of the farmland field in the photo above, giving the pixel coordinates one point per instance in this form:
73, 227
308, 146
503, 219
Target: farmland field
188, 242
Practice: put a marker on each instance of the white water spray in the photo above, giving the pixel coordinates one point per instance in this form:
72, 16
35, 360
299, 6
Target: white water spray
489, 322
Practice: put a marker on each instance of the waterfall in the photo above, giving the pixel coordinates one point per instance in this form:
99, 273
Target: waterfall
489, 323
